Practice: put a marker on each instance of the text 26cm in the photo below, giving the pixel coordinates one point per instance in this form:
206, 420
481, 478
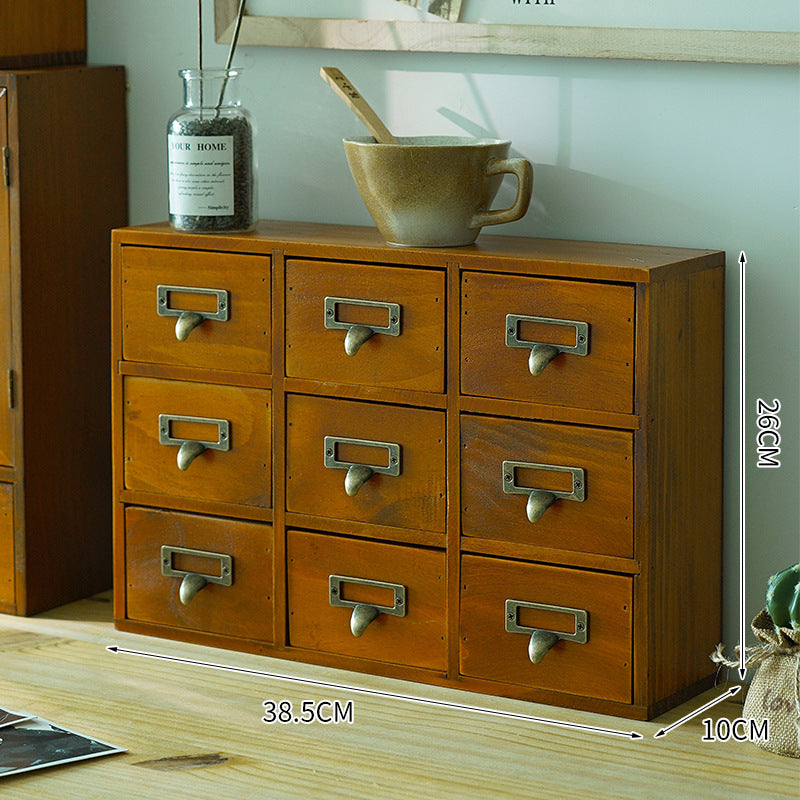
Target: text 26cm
768, 439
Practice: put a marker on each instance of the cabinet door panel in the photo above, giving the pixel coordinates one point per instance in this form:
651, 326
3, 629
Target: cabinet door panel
230, 292
414, 497
369, 572
239, 606
206, 415
6, 420
405, 306
7, 547
505, 318
500, 483
599, 667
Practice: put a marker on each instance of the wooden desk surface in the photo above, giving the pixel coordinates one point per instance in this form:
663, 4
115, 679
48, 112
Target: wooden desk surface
207, 724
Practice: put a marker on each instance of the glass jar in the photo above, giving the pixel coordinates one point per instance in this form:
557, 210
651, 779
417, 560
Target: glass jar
212, 171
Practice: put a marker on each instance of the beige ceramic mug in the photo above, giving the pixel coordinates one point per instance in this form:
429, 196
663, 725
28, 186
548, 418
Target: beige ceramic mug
436, 191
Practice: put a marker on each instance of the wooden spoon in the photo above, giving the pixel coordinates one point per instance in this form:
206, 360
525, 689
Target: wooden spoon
358, 105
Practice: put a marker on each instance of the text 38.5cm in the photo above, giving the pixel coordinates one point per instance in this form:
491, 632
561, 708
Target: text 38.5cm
306, 712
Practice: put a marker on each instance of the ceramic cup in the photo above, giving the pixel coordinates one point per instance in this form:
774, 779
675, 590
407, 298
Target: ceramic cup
436, 191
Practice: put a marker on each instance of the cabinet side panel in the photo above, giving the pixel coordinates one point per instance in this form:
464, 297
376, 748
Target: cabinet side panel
7, 604
684, 453
6, 376
72, 192
42, 33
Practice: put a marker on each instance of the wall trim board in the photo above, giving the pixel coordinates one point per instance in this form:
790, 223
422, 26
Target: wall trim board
654, 44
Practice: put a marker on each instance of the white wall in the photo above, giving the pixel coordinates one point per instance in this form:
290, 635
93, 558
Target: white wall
698, 155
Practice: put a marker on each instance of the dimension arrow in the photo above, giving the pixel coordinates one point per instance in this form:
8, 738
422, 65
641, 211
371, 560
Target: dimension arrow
377, 693
730, 693
742, 502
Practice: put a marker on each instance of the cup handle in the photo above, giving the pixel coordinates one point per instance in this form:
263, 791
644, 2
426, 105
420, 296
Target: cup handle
523, 169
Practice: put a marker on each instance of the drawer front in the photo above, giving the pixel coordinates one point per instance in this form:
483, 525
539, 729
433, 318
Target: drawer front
600, 667
223, 586
213, 309
391, 320
499, 351
575, 482
7, 599
197, 440
402, 449
404, 585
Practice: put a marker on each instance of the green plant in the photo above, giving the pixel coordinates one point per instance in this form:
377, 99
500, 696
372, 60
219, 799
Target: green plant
783, 598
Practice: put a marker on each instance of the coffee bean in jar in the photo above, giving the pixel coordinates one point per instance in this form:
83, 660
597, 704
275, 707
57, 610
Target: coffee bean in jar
212, 174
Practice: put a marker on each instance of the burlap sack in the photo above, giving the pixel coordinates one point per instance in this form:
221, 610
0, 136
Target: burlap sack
774, 693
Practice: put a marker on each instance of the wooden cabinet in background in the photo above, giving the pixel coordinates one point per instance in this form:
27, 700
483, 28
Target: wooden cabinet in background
476, 467
37, 33
63, 187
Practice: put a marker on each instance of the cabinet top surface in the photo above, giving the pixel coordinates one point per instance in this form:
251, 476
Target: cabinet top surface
585, 259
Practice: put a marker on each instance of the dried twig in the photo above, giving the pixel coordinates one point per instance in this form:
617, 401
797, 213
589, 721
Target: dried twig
231, 50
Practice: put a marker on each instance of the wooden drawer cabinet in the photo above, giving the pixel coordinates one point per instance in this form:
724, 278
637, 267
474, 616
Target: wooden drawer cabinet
201, 573
63, 187
366, 461
365, 324
475, 466
504, 602
197, 440
508, 323
554, 485
195, 309
330, 577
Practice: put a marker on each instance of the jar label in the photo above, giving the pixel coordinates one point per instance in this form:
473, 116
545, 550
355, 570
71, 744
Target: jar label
200, 175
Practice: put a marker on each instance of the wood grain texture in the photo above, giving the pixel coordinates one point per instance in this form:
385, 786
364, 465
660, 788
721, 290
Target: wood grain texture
601, 380
602, 667
416, 639
571, 41
63, 203
7, 424
239, 344
56, 665
682, 483
562, 258
6, 547
601, 523
243, 609
238, 475
42, 33
412, 360
413, 499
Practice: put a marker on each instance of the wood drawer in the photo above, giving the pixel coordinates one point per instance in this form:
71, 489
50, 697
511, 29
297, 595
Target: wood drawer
232, 289
413, 498
602, 379
409, 303
7, 563
238, 553
197, 412
417, 638
505, 460
601, 667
